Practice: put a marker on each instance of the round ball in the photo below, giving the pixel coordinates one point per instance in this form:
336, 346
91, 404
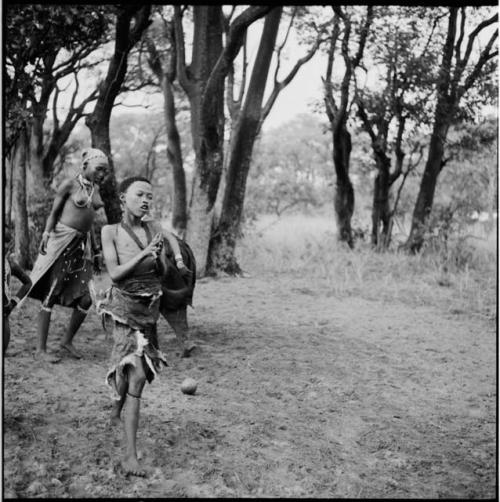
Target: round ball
189, 385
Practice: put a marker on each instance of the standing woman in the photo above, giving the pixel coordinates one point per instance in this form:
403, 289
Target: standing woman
63, 269
135, 259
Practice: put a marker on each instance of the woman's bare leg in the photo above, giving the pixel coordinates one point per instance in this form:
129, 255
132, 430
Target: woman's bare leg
77, 317
43, 332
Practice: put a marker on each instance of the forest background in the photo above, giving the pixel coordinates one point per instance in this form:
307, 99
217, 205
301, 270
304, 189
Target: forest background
398, 134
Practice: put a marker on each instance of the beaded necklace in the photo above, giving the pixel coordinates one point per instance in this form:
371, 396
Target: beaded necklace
85, 185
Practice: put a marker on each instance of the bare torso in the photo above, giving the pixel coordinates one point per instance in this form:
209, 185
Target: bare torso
127, 248
80, 207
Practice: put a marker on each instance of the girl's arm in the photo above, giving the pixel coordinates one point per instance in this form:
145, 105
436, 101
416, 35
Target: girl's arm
116, 271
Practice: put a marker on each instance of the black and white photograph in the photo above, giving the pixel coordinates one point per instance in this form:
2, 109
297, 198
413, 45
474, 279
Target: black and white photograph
250, 251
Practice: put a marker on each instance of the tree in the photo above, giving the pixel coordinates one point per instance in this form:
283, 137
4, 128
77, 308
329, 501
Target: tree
40, 41
338, 113
203, 83
405, 59
131, 21
457, 75
247, 124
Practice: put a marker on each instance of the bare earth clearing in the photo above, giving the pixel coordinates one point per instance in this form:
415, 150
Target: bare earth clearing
301, 393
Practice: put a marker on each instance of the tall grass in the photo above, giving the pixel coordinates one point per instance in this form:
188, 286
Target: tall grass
459, 277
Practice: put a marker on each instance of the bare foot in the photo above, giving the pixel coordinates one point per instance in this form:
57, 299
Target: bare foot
44, 356
70, 350
131, 466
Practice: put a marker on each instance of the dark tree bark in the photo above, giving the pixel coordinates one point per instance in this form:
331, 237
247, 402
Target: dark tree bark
338, 115
223, 243
21, 228
449, 94
381, 213
131, 22
204, 85
8, 183
165, 71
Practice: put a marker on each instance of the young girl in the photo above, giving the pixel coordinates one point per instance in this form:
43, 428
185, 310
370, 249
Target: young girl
135, 259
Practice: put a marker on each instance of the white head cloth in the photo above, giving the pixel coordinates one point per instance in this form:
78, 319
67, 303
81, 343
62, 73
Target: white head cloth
94, 156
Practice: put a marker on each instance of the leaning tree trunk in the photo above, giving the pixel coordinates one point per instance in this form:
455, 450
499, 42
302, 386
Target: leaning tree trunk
425, 198
165, 71
174, 154
223, 242
130, 24
21, 240
344, 191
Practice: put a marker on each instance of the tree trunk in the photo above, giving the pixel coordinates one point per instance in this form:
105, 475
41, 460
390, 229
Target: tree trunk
127, 35
8, 180
425, 198
207, 125
380, 208
174, 154
204, 85
442, 119
21, 240
344, 191
165, 71
223, 243
99, 127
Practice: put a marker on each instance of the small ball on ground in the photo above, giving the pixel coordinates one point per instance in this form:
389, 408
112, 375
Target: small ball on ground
189, 385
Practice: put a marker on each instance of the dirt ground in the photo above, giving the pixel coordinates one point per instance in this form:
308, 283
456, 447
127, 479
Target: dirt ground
301, 394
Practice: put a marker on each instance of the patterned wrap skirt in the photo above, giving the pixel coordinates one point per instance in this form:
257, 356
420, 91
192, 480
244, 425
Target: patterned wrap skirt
62, 275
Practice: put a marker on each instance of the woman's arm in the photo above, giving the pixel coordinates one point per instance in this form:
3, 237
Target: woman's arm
60, 199
174, 245
18, 272
116, 271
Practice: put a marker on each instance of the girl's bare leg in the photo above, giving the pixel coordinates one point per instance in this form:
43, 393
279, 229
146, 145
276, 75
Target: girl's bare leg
121, 387
136, 381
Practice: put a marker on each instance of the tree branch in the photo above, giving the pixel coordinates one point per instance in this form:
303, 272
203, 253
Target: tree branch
366, 122
399, 151
458, 45
475, 33
483, 59
182, 76
55, 118
282, 45
279, 86
234, 42
363, 36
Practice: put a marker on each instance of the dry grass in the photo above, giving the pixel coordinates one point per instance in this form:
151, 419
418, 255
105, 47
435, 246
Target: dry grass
460, 278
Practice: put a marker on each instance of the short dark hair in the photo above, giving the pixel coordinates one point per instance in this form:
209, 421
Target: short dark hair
128, 181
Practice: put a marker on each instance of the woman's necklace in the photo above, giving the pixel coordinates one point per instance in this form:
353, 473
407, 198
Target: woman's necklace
88, 188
